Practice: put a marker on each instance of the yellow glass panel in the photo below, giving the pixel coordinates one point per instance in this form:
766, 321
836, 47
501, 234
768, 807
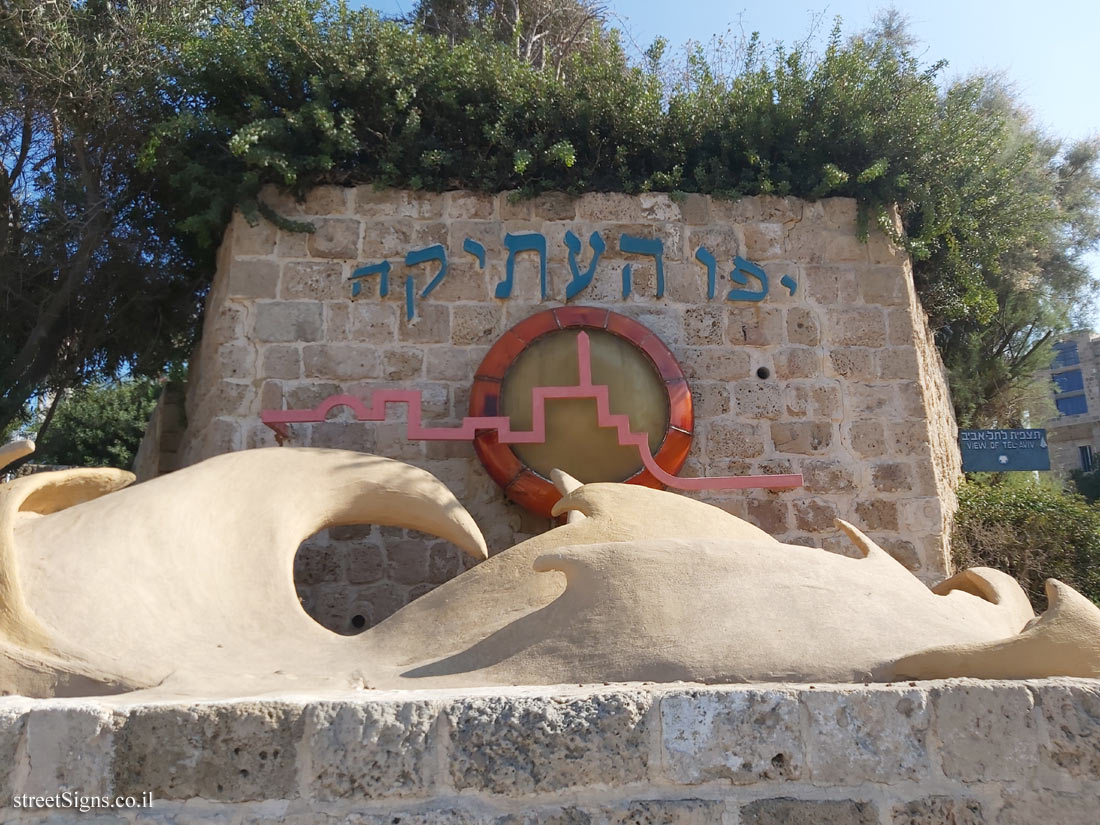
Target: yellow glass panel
574, 442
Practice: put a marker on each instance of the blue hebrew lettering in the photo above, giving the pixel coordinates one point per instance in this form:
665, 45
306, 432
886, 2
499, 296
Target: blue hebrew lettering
475, 249
410, 289
790, 283
704, 256
382, 269
740, 270
644, 246
420, 256
582, 279
527, 242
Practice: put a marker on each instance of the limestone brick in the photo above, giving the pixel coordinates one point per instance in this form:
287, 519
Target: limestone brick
230, 753
872, 735
969, 718
524, 746
287, 321
369, 750
334, 238
784, 811
744, 738
254, 279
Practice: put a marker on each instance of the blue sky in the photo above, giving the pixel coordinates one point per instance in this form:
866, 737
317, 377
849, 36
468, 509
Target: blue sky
1049, 51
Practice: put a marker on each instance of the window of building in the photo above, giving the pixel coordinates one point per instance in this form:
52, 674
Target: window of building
1069, 381
1072, 405
1086, 457
1065, 355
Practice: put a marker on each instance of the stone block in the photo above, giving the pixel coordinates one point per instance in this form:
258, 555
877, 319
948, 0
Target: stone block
939, 810
867, 735
366, 562
286, 321
343, 362
909, 438
829, 285
469, 205
281, 361
723, 242
1070, 752
827, 475
901, 549
819, 399
770, 515
432, 325
814, 515
326, 200
236, 360
1024, 807
803, 327
754, 326
695, 209
764, 241
392, 203
705, 326
842, 246
67, 747
523, 745
902, 330
734, 439
714, 363
867, 437
253, 279
609, 206
798, 362
786, 811
802, 437
987, 731
402, 363
710, 399
229, 753
856, 327
335, 238
394, 238
883, 285
872, 399
374, 323
317, 564
756, 398
313, 280
248, 239
742, 736
853, 363
13, 721
475, 324
554, 206
369, 750
879, 514
377, 602
899, 363
407, 561
892, 477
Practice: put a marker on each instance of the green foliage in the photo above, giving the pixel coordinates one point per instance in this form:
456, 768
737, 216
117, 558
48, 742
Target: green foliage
99, 425
1031, 530
94, 276
1087, 484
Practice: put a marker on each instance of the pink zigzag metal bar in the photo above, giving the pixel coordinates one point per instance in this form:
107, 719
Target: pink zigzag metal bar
278, 420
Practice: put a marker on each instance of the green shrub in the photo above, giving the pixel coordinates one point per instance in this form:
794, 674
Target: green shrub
1032, 531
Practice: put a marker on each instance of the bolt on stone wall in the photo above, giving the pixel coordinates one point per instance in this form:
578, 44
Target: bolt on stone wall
965, 752
855, 396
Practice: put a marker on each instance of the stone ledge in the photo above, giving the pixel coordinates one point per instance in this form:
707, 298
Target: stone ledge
961, 750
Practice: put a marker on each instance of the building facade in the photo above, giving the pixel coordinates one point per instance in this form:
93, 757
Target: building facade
1074, 375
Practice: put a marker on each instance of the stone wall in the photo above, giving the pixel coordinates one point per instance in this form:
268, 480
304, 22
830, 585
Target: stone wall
962, 752
838, 381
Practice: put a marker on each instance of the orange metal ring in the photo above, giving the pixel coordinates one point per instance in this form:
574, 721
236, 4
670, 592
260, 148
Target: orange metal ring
521, 483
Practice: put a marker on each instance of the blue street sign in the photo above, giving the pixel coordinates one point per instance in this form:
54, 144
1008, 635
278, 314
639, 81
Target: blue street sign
1000, 451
